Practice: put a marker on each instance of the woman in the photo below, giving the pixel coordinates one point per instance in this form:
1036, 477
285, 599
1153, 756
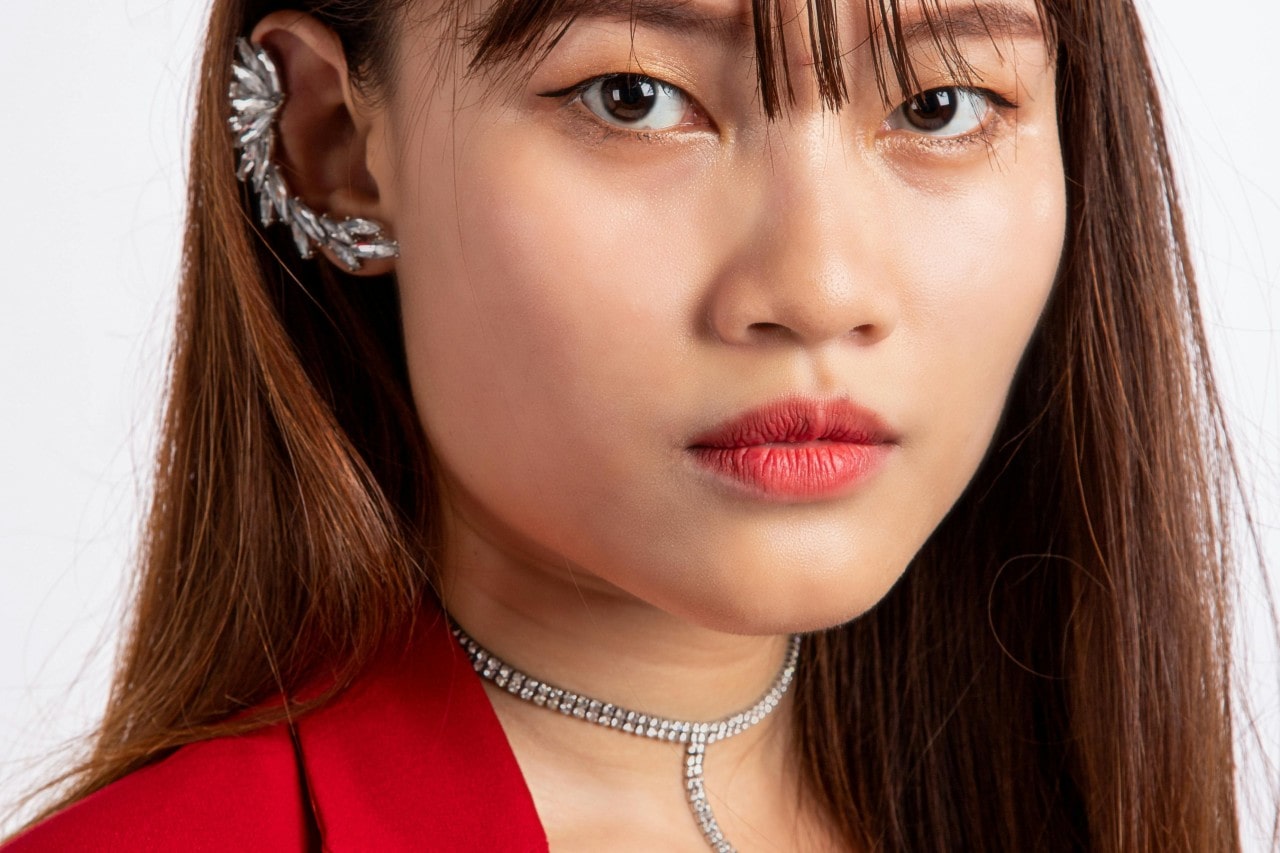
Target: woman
641, 338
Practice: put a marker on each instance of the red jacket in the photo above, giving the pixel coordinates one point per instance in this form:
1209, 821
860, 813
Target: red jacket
412, 757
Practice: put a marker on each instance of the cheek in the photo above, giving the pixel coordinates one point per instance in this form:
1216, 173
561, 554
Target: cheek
977, 287
580, 290
538, 328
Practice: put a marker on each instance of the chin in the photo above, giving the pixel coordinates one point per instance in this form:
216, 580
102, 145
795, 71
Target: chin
791, 605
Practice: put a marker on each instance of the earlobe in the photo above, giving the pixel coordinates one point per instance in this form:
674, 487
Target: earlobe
304, 153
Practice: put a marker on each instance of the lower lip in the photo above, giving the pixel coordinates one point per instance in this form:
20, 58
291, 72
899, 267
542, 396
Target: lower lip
795, 472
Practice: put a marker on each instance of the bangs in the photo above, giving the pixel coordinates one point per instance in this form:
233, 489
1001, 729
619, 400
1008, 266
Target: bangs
514, 31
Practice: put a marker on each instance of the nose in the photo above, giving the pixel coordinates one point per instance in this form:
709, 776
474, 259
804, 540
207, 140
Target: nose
803, 266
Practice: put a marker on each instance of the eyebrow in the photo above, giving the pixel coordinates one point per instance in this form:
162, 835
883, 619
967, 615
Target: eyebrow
956, 20
675, 16
975, 20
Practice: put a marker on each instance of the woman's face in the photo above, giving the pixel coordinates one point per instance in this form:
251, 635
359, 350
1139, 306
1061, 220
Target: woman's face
601, 273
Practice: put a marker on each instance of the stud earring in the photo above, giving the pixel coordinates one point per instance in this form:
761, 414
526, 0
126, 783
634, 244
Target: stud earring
256, 97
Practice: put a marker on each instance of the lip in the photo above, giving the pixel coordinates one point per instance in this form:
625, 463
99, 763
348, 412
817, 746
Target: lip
796, 449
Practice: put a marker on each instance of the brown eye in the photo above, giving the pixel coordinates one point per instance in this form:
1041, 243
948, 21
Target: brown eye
949, 111
636, 102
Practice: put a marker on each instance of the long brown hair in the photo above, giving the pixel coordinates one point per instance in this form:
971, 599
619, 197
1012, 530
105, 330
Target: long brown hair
1051, 673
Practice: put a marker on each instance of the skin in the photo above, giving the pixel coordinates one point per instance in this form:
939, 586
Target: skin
582, 300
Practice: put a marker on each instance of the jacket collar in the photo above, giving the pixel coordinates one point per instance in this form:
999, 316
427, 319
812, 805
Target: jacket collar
412, 756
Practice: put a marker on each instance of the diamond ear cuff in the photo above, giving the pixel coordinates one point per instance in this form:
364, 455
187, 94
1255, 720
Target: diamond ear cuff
256, 97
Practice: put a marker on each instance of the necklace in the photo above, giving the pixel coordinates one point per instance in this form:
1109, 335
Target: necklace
696, 736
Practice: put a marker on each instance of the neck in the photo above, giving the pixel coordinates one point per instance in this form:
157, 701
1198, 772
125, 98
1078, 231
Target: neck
576, 632
564, 626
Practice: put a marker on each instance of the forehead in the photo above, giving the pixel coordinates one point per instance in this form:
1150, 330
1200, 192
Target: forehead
736, 19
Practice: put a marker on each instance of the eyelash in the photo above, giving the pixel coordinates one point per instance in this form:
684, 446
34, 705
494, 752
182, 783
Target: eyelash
997, 103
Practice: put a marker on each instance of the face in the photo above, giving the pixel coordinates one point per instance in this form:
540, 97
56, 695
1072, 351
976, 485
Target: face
734, 369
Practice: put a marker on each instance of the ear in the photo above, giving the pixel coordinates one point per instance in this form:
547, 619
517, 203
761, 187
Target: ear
324, 127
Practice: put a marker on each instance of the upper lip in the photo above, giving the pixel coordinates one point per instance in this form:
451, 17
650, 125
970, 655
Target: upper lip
795, 420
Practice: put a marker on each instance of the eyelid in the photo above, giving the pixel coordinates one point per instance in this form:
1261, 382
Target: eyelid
576, 89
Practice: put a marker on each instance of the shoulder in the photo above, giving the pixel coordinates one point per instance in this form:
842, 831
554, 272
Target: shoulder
410, 757
230, 793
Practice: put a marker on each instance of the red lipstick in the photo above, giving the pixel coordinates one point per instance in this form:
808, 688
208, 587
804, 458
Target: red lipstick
797, 448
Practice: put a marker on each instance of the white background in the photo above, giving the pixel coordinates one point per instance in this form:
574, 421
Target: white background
91, 194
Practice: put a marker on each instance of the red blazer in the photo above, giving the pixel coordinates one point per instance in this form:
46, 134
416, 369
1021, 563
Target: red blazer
412, 757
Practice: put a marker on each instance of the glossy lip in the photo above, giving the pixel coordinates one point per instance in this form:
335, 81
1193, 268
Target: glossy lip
796, 449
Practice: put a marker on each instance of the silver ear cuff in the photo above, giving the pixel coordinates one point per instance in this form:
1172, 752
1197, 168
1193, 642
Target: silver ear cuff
256, 96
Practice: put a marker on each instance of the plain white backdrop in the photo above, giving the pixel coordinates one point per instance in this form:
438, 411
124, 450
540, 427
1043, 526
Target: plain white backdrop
91, 197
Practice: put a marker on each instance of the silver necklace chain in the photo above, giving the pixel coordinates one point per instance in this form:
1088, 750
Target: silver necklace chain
695, 736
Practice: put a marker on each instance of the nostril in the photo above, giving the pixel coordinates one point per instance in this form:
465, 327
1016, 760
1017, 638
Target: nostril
770, 332
868, 332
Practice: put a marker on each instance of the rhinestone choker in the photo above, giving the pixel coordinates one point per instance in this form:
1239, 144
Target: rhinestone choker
696, 736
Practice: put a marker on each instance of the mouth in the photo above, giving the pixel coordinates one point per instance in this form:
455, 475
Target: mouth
796, 449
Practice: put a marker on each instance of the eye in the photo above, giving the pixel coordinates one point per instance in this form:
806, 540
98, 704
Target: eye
948, 111
635, 102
